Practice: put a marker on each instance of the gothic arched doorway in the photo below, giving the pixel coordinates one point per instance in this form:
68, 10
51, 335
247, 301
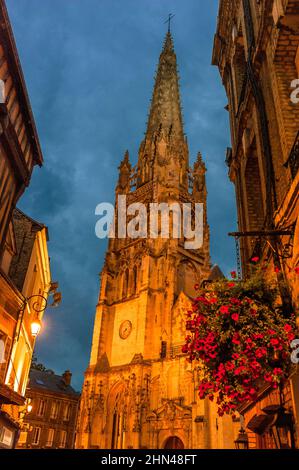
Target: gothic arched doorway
173, 442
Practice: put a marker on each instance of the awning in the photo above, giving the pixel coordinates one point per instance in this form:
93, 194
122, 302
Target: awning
259, 424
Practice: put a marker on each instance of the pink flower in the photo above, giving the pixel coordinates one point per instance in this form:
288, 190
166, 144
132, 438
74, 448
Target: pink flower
255, 259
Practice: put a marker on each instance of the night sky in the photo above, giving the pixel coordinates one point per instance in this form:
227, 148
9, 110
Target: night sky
89, 68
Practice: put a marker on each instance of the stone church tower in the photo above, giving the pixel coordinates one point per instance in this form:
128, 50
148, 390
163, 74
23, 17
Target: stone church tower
139, 389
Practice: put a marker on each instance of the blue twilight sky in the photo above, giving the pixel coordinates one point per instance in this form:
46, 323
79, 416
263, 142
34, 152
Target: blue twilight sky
89, 68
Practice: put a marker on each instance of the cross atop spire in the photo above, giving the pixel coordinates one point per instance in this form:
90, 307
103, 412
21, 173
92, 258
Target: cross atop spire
170, 16
165, 112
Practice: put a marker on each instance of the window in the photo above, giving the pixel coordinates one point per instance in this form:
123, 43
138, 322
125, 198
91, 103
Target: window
2, 92
125, 284
6, 437
41, 408
62, 440
7, 193
54, 410
50, 437
134, 280
163, 349
67, 412
36, 435
23, 438
2, 349
5, 344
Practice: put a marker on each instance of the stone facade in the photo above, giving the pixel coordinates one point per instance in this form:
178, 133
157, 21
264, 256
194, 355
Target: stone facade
139, 390
256, 50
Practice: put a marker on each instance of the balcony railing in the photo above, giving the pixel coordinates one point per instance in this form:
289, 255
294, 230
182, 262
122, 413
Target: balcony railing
293, 160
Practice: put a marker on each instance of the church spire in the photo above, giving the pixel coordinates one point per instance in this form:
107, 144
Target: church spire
165, 112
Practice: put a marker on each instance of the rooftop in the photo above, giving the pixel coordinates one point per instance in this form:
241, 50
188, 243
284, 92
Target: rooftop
48, 381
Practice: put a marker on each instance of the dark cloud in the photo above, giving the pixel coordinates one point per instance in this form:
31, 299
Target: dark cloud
89, 67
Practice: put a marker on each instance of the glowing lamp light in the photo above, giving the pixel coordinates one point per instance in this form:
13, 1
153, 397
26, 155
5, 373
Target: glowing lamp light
35, 327
29, 408
242, 440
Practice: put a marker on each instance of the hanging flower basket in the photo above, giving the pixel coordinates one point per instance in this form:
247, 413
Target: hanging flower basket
238, 333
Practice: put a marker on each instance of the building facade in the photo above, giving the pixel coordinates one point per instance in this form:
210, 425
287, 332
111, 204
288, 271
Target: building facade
24, 261
51, 424
139, 390
27, 266
256, 49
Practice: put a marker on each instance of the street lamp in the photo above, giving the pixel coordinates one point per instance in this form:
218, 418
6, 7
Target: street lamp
242, 440
35, 327
38, 303
26, 409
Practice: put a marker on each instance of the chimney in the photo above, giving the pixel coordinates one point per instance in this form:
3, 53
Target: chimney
67, 377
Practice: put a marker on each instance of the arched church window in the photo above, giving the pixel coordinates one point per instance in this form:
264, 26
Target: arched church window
125, 284
134, 286
186, 278
240, 70
254, 197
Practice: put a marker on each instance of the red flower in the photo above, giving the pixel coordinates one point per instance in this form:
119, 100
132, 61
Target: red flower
260, 352
231, 284
235, 316
229, 366
274, 341
258, 336
296, 270
288, 328
235, 356
255, 259
236, 339
235, 301
277, 269
233, 274
196, 287
239, 370
268, 377
224, 309
253, 312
